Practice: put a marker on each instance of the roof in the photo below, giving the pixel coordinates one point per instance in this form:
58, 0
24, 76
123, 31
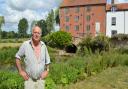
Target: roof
121, 6
68, 3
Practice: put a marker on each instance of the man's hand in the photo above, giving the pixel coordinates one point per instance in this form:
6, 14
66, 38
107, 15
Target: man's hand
24, 75
44, 74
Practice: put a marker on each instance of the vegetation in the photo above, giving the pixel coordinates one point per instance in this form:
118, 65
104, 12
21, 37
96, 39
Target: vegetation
111, 78
95, 69
90, 45
2, 21
58, 39
22, 27
43, 25
50, 20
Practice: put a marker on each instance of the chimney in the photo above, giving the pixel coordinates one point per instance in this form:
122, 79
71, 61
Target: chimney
112, 2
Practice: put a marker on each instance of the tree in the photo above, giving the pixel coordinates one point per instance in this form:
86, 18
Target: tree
57, 19
11, 34
23, 27
50, 21
43, 25
2, 21
3, 34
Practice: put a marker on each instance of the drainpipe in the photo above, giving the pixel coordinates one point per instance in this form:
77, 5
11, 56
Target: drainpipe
124, 22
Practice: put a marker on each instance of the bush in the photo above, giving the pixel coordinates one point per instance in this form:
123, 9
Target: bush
91, 45
49, 83
63, 73
100, 43
7, 55
119, 40
10, 80
120, 37
85, 46
58, 39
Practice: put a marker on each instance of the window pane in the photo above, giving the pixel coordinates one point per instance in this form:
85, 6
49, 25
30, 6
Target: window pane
113, 32
67, 27
88, 28
88, 17
67, 19
77, 27
113, 20
76, 18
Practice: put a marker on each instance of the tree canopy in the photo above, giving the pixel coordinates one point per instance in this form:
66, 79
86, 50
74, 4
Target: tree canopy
22, 27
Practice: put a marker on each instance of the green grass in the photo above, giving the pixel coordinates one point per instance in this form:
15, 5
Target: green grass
9, 45
111, 78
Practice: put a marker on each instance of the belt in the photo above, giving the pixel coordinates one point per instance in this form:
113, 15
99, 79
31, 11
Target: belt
35, 80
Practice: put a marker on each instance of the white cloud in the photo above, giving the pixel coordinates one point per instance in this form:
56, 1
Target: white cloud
32, 10
14, 10
22, 5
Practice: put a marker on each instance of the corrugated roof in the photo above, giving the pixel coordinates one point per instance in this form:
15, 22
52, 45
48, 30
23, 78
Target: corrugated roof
67, 3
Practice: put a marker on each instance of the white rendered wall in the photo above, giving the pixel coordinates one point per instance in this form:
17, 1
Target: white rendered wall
119, 22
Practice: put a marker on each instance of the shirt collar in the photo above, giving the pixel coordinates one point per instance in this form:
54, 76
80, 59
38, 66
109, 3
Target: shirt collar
30, 42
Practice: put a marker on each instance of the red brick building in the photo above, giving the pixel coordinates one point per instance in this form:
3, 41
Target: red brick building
82, 17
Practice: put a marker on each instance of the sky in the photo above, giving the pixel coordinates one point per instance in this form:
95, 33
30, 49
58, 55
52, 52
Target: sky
14, 10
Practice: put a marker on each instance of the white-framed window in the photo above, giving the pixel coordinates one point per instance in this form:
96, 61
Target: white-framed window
76, 18
67, 27
67, 18
76, 27
113, 21
88, 28
88, 17
113, 32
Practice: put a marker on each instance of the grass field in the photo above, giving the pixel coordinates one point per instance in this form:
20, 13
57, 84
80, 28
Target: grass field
112, 78
9, 45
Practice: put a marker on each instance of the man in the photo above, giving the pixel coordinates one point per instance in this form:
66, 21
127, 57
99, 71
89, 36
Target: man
36, 60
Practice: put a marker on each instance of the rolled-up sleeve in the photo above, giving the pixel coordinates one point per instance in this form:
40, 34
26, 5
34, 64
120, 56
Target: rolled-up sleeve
47, 57
21, 51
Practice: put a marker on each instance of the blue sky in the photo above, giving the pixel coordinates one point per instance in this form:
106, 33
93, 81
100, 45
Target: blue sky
14, 10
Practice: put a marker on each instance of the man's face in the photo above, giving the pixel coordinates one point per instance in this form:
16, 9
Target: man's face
36, 34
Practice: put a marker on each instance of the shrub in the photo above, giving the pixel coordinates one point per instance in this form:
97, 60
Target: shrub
10, 80
120, 37
85, 46
91, 45
58, 39
100, 43
49, 83
7, 55
63, 73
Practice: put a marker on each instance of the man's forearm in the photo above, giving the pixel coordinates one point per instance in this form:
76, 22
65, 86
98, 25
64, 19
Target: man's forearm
18, 65
21, 71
